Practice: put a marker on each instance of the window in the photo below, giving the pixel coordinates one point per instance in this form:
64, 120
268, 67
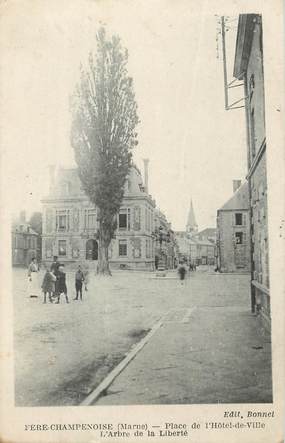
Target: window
239, 238
238, 219
122, 248
62, 248
124, 219
90, 219
62, 220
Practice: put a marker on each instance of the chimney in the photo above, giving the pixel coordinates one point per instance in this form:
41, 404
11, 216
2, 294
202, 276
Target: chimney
146, 162
22, 217
236, 185
51, 177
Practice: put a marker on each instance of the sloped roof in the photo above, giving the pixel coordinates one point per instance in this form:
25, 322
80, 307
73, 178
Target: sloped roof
64, 176
240, 200
208, 232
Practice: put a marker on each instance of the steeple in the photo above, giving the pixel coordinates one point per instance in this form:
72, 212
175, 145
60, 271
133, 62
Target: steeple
191, 227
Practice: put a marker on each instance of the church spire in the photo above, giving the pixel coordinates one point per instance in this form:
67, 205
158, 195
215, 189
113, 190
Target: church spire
191, 226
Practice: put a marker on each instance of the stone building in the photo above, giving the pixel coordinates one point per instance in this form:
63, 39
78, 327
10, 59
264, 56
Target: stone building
24, 242
195, 250
248, 67
70, 223
166, 249
196, 247
233, 234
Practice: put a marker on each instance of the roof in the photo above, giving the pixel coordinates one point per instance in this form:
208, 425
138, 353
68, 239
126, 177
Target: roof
245, 31
208, 232
135, 182
205, 243
184, 243
67, 183
239, 201
26, 228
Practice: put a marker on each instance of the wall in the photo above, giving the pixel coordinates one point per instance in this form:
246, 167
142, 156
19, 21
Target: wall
257, 174
233, 257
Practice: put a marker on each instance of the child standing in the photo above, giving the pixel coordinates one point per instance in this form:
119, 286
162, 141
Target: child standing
48, 285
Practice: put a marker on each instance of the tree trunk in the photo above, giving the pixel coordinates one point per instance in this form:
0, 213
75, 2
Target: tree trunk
103, 259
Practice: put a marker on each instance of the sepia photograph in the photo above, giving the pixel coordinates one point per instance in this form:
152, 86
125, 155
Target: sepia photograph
140, 248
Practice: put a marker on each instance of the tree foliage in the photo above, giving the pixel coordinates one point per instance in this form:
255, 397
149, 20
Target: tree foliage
104, 119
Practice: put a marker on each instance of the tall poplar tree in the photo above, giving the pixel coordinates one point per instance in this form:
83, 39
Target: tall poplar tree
103, 133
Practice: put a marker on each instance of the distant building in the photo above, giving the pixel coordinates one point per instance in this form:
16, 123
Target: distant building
248, 67
183, 244
194, 250
166, 250
191, 226
233, 234
70, 223
24, 242
205, 252
207, 234
196, 247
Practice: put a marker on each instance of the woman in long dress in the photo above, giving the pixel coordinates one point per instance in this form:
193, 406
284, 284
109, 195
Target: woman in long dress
33, 279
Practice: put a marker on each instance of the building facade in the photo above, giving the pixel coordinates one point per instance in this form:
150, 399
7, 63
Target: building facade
24, 242
248, 67
70, 224
196, 247
233, 233
166, 249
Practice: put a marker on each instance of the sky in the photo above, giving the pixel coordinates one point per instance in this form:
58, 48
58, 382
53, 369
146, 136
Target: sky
196, 148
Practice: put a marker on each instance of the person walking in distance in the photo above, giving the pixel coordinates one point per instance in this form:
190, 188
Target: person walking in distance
79, 279
182, 272
61, 284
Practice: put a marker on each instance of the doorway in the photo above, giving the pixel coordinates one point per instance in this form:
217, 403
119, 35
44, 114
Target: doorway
91, 249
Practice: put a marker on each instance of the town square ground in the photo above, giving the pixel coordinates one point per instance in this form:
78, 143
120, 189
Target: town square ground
207, 347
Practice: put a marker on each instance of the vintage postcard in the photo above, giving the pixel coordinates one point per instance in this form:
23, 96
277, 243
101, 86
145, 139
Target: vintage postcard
142, 221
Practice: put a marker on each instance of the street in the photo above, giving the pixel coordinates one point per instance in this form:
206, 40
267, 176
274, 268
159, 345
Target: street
209, 349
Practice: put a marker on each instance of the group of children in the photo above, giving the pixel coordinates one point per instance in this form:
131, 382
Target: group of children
54, 283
